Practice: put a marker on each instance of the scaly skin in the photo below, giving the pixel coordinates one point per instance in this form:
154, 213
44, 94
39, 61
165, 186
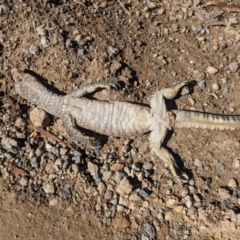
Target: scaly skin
119, 118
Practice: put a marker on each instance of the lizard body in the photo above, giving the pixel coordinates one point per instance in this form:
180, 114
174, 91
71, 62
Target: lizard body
119, 118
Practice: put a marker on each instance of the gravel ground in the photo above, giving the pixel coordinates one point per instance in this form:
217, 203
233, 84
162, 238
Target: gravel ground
56, 189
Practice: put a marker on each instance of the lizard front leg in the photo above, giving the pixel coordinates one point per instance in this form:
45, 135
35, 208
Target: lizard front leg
171, 93
76, 134
92, 87
155, 141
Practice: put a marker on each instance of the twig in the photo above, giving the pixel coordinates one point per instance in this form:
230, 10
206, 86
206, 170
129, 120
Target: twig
124, 8
45, 133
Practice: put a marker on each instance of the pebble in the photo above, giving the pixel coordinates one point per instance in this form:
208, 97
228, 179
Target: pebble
212, 70
215, 86
48, 188
117, 166
109, 194
137, 166
221, 167
191, 182
34, 50
144, 192
202, 84
120, 174
148, 166
232, 183
224, 193
44, 41
53, 202
101, 187
124, 186
149, 232
233, 67
236, 163
10, 145
198, 162
23, 181
188, 201
20, 122
39, 118
106, 175
171, 202
63, 151
178, 208
92, 168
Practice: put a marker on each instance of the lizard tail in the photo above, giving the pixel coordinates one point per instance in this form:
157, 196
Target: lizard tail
192, 119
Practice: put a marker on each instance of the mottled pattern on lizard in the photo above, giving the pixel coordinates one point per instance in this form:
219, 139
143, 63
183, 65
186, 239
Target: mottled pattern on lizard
119, 118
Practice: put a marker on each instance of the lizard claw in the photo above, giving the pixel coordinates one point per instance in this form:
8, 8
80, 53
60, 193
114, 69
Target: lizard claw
178, 180
114, 85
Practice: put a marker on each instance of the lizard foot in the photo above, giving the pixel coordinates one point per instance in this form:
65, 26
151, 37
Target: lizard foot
178, 180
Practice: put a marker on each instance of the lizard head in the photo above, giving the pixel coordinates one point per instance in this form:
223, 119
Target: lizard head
16, 79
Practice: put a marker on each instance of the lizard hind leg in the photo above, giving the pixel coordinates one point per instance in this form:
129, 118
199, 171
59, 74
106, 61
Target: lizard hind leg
76, 134
92, 87
155, 140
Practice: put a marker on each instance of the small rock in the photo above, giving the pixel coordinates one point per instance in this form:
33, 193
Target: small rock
202, 84
224, 193
212, 70
109, 194
149, 232
20, 122
236, 163
171, 202
232, 183
106, 175
39, 118
120, 174
178, 208
148, 165
117, 166
144, 192
49, 188
92, 168
198, 162
188, 201
10, 145
41, 31
215, 87
23, 181
233, 67
124, 186
53, 202
34, 50
45, 41
101, 187
137, 166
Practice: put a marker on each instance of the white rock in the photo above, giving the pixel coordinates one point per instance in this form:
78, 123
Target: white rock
215, 87
212, 70
39, 118
233, 67
53, 202
232, 183
171, 202
48, 188
92, 168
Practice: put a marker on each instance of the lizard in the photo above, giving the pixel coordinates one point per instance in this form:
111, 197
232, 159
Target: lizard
118, 118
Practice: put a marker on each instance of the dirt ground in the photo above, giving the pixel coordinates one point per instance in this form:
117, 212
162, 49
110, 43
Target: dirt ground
147, 45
